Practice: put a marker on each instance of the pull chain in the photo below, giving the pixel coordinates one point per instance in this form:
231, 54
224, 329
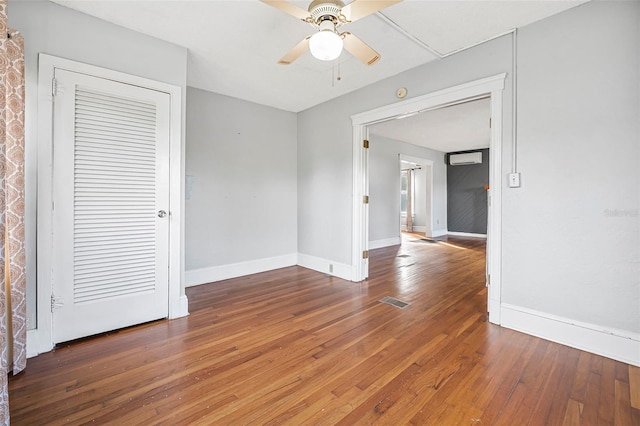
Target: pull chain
333, 74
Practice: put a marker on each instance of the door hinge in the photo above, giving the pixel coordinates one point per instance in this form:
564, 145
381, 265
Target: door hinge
54, 87
365, 254
365, 143
488, 280
489, 123
56, 302
365, 199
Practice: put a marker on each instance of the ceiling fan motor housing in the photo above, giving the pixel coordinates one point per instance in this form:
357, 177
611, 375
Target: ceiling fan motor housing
324, 10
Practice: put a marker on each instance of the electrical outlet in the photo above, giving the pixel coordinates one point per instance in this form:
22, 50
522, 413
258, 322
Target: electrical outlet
514, 180
331, 268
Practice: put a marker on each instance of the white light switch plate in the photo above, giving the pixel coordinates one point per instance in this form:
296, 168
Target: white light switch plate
514, 180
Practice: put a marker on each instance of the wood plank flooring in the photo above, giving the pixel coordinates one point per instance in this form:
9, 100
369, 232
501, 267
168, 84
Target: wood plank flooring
294, 346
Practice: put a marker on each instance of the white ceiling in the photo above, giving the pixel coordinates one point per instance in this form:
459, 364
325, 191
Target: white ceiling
455, 128
234, 45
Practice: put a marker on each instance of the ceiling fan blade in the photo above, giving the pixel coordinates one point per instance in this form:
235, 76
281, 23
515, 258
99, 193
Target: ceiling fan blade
289, 8
360, 49
295, 53
358, 9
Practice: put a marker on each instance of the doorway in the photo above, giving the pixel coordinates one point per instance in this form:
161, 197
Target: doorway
163, 217
110, 196
418, 173
491, 87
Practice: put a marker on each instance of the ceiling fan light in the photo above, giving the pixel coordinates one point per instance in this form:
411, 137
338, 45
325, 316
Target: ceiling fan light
325, 45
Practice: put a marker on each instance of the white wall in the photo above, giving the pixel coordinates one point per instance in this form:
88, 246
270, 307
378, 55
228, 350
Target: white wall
59, 31
242, 159
384, 187
571, 236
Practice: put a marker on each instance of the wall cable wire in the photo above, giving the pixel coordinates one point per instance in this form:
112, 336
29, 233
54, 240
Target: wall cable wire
514, 107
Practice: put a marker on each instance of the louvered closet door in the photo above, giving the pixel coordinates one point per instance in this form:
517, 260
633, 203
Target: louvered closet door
110, 187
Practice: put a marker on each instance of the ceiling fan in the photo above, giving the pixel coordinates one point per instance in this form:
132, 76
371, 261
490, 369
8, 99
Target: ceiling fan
327, 16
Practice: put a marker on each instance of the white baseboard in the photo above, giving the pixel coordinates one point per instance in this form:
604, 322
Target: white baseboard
325, 266
240, 269
438, 233
494, 310
33, 348
415, 228
183, 308
387, 242
616, 344
466, 234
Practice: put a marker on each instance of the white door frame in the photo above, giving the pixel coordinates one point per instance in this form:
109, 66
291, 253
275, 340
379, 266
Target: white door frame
492, 86
41, 340
427, 166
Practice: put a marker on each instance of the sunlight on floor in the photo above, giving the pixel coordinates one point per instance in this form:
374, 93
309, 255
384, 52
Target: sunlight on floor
452, 245
409, 237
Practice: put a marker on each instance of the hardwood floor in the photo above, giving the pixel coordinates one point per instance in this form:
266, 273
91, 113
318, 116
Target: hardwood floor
294, 346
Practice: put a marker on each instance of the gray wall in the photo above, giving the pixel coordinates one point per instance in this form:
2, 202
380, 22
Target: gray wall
59, 31
242, 157
384, 186
325, 157
467, 197
571, 233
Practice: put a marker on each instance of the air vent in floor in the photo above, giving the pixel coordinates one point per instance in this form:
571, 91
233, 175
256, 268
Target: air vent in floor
394, 302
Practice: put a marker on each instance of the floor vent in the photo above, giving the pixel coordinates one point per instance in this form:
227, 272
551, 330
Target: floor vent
394, 302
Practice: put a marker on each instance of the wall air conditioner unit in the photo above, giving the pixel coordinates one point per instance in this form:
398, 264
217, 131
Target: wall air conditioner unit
464, 159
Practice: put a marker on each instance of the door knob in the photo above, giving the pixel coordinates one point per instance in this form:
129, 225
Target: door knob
162, 213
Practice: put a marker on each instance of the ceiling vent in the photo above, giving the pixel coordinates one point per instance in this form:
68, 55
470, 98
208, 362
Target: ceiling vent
466, 158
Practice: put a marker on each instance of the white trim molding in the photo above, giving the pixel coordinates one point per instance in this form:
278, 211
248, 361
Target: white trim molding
620, 345
182, 307
491, 87
387, 242
360, 220
427, 180
33, 347
326, 266
212, 274
466, 234
439, 233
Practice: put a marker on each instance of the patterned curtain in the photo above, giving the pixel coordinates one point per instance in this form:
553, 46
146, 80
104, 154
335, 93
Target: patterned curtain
13, 330
409, 200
